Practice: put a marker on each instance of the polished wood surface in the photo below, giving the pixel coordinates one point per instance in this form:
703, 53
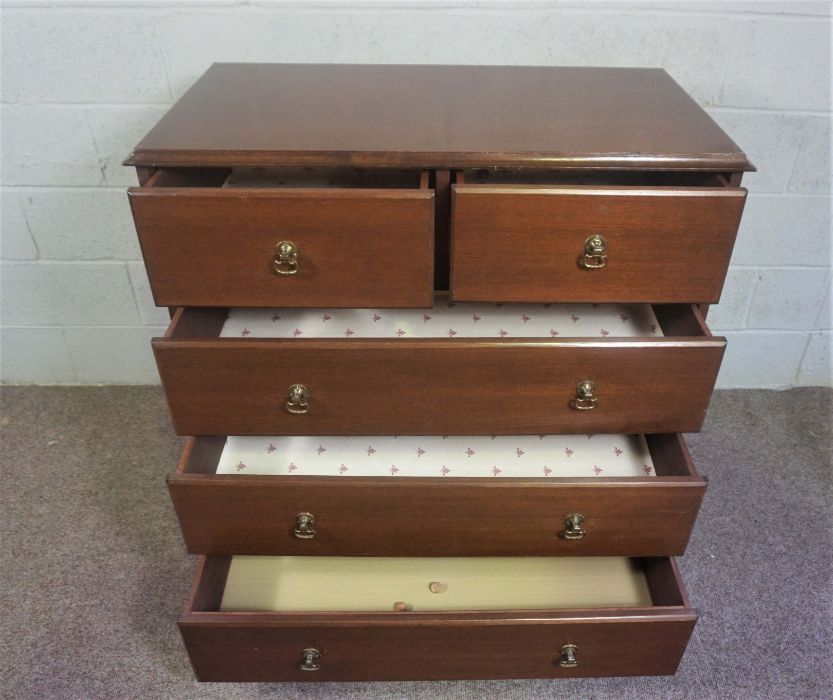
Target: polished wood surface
212, 246
438, 117
267, 646
238, 386
524, 242
365, 516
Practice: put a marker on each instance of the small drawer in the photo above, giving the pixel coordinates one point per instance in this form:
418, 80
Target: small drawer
628, 237
332, 619
549, 495
477, 369
279, 237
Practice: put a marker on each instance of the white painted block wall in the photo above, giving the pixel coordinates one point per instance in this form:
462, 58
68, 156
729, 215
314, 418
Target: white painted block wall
83, 81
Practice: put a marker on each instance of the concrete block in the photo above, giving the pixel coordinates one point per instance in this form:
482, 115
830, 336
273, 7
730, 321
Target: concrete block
817, 365
113, 355
81, 224
37, 355
48, 145
785, 230
64, 293
730, 313
812, 172
16, 242
150, 313
787, 298
116, 131
779, 64
761, 359
81, 55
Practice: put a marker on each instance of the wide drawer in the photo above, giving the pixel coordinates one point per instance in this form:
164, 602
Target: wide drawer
532, 618
645, 240
452, 384
335, 237
544, 496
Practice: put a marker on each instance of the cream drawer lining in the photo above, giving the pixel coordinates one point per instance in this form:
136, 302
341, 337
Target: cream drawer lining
470, 583
435, 456
448, 320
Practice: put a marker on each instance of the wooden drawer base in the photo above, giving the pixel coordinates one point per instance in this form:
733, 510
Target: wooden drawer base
645, 639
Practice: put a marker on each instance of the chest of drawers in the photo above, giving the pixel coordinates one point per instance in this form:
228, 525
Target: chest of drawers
435, 332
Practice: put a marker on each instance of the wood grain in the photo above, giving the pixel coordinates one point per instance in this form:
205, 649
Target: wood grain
363, 516
438, 117
435, 646
238, 386
357, 248
523, 243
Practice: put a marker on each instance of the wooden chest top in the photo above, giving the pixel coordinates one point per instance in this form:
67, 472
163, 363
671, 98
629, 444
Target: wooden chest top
438, 117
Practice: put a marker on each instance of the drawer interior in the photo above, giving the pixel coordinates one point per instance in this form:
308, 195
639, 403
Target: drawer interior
296, 177
501, 456
590, 178
446, 320
403, 584
549, 457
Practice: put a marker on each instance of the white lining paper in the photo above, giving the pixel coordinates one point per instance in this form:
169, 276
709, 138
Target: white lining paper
448, 320
436, 456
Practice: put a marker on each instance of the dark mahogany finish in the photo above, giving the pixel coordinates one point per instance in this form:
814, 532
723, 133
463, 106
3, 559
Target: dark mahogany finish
438, 117
665, 244
542, 159
238, 386
425, 517
267, 646
213, 246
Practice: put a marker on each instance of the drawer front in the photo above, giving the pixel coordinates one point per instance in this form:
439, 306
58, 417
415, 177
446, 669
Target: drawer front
436, 649
217, 247
415, 387
528, 243
239, 514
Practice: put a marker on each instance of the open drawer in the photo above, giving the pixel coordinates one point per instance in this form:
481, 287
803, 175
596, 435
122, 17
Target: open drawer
592, 237
309, 619
476, 369
287, 237
549, 495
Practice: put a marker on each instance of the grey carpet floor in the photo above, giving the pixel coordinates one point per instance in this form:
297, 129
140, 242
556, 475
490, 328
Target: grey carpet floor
94, 573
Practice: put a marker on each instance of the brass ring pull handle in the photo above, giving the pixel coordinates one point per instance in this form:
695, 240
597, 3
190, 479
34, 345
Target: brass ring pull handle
304, 526
298, 400
573, 527
586, 399
569, 656
310, 659
285, 259
595, 253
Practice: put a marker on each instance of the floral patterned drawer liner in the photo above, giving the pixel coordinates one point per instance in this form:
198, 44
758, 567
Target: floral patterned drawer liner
435, 456
448, 319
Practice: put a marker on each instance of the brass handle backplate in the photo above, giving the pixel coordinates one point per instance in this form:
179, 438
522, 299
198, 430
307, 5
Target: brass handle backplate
285, 259
310, 659
595, 253
573, 527
298, 400
569, 656
304, 526
586, 399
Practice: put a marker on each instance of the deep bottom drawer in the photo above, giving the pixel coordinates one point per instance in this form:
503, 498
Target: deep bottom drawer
309, 619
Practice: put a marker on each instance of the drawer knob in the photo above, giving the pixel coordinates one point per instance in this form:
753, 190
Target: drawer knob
586, 399
310, 659
569, 656
595, 253
573, 527
304, 526
298, 400
285, 259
